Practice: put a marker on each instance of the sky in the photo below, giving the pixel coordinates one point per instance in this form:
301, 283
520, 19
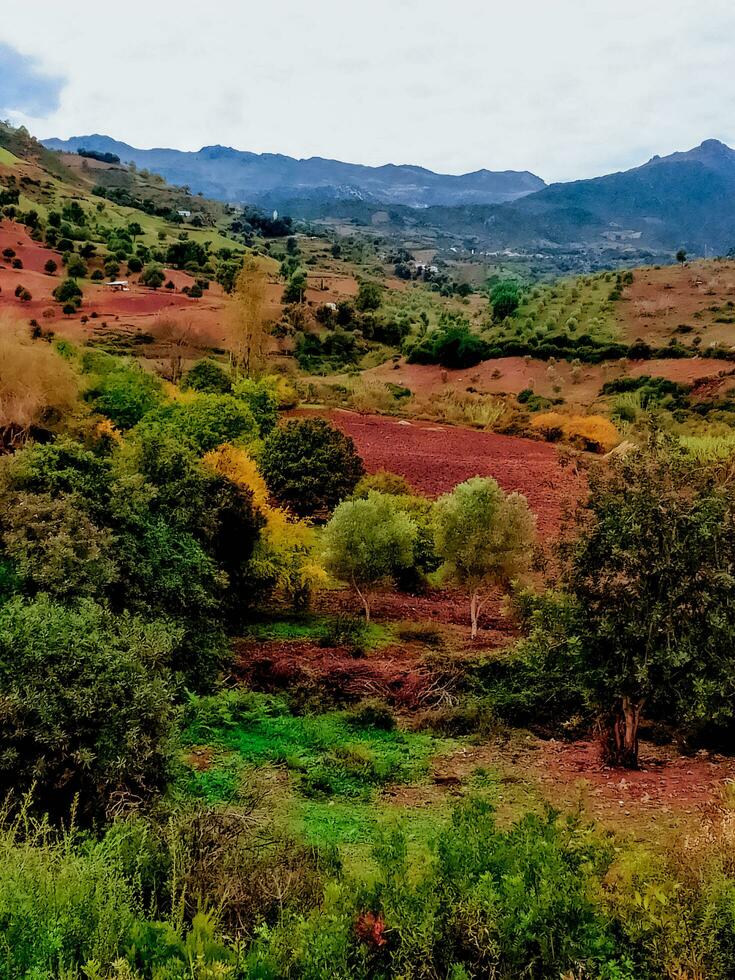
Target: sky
565, 88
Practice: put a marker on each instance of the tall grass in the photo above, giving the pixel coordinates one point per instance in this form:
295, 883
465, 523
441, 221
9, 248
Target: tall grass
709, 447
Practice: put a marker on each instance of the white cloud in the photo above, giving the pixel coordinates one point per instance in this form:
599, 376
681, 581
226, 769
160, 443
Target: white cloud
566, 88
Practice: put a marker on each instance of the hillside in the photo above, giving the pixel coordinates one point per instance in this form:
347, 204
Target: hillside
685, 199
270, 179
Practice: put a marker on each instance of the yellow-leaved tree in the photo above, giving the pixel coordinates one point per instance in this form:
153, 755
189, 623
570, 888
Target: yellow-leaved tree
284, 558
249, 326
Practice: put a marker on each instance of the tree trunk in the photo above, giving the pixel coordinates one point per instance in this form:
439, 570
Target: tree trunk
621, 734
474, 613
365, 601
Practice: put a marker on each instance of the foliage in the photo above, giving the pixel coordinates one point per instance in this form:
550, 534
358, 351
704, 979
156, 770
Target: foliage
206, 421
262, 400
483, 536
593, 433
38, 389
505, 298
85, 707
123, 392
249, 328
309, 466
652, 572
369, 540
453, 345
208, 377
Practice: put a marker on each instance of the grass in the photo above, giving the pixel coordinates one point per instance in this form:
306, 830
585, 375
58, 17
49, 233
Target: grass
7, 159
322, 629
325, 755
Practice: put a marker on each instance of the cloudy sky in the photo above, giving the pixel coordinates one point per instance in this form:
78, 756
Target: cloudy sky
565, 88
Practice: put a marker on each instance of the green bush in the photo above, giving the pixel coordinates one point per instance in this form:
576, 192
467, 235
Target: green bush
310, 466
208, 421
85, 708
124, 393
208, 377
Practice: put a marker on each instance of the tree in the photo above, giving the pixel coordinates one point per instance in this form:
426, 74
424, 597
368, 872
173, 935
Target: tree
249, 327
295, 287
76, 267
84, 710
68, 292
260, 397
124, 393
50, 267
484, 537
652, 572
55, 547
681, 256
369, 297
208, 421
208, 377
367, 541
310, 466
152, 276
505, 298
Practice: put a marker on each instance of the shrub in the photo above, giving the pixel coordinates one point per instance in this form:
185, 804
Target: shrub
262, 400
383, 482
452, 346
83, 709
207, 421
208, 377
310, 466
124, 393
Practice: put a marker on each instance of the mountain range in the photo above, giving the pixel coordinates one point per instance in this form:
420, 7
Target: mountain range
684, 199
268, 179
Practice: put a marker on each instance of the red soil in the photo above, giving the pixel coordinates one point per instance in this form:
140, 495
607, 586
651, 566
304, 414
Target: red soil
510, 375
664, 781
396, 676
435, 458
445, 607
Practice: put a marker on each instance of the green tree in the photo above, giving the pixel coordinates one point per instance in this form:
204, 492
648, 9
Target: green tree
125, 394
369, 297
368, 541
68, 292
681, 256
84, 709
208, 377
50, 267
505, 298
76, 267
310, 466
484, 537
153, 276
55, 547
208, 421
260, 397
652, 571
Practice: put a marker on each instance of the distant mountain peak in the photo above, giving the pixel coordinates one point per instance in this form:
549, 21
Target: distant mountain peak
273, 179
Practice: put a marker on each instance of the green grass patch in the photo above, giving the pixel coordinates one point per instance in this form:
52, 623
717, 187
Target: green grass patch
8, 159
326, 755
325, 630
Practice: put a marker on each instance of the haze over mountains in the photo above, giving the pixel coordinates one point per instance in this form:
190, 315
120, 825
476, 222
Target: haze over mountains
269, 179
684, 199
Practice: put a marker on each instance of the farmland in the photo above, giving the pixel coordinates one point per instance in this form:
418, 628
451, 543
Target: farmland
361, 614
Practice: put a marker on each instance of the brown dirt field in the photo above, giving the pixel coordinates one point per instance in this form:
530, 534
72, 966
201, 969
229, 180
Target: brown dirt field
436, 458
669, 793
394, 675
660, 300
445, 607
510, 375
